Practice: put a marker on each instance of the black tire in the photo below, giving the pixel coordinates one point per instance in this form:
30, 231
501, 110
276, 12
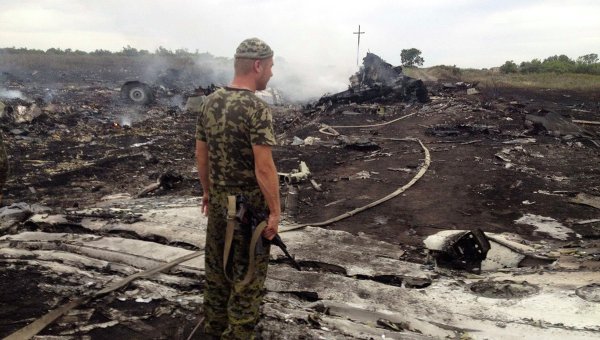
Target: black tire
137, 93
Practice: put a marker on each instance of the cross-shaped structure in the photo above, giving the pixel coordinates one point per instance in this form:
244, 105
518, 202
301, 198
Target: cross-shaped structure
358, 48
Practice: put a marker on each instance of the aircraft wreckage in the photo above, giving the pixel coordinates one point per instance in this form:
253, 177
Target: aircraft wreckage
450, 215
379, 81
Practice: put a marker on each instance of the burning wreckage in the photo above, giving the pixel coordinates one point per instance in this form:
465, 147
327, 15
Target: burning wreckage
492, 232
378, 81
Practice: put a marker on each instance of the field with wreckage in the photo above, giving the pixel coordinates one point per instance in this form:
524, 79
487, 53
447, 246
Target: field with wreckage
101, 189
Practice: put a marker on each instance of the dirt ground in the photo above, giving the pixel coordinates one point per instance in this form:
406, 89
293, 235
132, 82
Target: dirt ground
88, 143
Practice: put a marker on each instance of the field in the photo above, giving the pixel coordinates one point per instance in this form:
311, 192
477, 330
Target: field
89, 157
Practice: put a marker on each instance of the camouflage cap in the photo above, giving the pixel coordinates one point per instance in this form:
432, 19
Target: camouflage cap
253, 48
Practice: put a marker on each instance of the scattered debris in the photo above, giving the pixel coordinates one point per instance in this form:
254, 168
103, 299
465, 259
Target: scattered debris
461, 251
590, 200
546, 225
506, 289
588, 122
88, 155
461, 130
296, 175
472, 91
360, 175
357, 143
165, 181
559, 126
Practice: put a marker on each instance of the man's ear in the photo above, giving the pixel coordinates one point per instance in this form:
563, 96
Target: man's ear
257, 66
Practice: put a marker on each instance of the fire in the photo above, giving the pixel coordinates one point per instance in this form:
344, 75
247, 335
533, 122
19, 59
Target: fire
116, 125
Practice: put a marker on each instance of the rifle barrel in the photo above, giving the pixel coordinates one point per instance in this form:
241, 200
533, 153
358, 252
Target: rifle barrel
279, 242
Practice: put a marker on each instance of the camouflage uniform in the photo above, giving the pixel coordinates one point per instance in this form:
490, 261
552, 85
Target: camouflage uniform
230, 121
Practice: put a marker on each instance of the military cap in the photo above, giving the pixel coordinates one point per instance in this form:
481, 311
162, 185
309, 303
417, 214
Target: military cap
253, 48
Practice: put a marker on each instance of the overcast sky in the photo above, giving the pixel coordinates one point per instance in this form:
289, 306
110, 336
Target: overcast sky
312, 34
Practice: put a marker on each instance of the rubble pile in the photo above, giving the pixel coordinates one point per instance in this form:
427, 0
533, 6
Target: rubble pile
378, 81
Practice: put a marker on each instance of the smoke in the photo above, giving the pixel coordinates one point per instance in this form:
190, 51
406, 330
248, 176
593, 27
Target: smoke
298, 83
177, 100
12, 94
125, 120
307, 82
129, 116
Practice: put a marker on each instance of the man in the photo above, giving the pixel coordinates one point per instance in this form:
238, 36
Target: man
234, 136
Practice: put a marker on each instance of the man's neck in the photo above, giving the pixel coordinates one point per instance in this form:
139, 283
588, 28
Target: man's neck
243, 83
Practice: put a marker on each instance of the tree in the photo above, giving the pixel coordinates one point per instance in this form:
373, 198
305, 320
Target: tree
533, 66
559, 59
588, 59
163, 51
411, 57
129, 51
509, 67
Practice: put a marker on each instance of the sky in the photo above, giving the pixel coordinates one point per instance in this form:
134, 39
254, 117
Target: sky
316, 36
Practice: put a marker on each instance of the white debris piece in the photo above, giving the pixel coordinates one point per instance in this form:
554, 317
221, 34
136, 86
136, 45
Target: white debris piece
547, 225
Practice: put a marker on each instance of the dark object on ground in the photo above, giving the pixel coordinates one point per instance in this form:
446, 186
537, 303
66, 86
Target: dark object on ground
557, 125
461, 130
379, 81
137, 92
465, 251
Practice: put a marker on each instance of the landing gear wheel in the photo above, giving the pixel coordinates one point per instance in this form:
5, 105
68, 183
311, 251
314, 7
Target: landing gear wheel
137, 93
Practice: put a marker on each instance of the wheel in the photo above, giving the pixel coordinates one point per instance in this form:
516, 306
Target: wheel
137, 92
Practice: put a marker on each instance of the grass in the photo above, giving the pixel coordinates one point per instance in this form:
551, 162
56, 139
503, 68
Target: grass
90, 62
493, 78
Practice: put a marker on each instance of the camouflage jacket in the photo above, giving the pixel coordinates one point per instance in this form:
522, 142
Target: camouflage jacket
230, 121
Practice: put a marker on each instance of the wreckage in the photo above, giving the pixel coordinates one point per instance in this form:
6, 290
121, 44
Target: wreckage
491, 233
379, 81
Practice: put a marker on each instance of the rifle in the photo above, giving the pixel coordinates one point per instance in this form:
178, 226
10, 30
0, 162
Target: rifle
248, 216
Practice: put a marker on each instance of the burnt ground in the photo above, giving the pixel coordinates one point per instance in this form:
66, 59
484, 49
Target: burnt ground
79, 151
466, 186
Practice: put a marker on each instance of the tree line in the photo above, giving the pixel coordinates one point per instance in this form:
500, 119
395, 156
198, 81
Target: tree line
587, 64
126, 51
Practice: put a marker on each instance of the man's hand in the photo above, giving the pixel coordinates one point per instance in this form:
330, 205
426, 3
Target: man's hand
268, 181
204, 204
272, 227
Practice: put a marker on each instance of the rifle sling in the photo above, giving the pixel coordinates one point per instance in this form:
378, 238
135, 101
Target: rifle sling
231, 222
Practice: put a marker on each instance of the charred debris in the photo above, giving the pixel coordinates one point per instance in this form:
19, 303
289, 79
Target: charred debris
502, 215
378, 81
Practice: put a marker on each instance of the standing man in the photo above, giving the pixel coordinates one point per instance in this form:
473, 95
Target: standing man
234, 136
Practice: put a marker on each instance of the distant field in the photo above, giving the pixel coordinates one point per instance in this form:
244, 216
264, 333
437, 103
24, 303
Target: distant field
493, 78
216, 70
46, 68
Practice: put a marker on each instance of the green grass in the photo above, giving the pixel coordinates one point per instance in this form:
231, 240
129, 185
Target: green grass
91, 62
493, 78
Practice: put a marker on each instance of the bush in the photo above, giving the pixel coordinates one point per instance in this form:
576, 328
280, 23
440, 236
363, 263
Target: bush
586, 64
533, 66
455, 71
509, 67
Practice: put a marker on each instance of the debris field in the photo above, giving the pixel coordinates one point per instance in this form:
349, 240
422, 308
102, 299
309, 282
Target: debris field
102, 189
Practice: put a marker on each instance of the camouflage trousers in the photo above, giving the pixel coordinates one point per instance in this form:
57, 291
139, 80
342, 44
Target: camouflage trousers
231, 313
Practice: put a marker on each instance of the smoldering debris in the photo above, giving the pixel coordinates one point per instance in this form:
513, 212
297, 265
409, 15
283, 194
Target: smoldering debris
12, 94
123, 187
379, 81
559, 126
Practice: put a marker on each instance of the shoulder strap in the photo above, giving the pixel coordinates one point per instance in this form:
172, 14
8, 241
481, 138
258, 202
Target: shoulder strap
231, 221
